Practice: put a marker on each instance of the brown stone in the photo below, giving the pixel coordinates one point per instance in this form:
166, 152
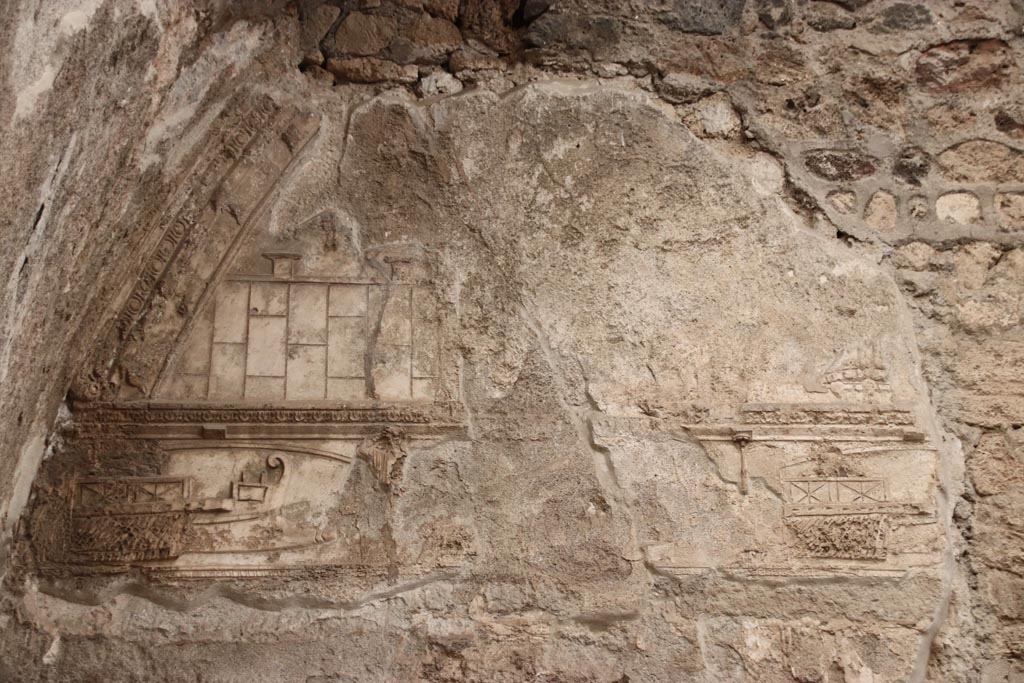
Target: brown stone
880, 213
595, 35
468, 58
313, 57
320, 74
490, 21
364, 34
964, 65
428, 40
684, 88
371, 70
839, 164
444, 9
1010, 211
1010, 121
911, 165
982, 161
851, 5
316, 22
775, 13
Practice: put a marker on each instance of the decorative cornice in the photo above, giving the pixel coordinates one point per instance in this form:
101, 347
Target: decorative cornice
826, 413
111, 413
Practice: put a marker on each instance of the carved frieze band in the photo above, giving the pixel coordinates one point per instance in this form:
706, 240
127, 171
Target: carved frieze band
112, 413
826, 413
784, 422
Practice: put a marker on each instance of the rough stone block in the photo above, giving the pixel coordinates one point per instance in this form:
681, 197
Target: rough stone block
307, 372
965, 65
840, 164
230, 317
995, 464
364, 34
268, 298
265, 356
227, 371
958, 207
392, 372
709, 17
428, 40
347, 300
264, 388
1010, 211
880, 213
982, 161
574, 32
307, 314
315, 23
346, 389
346, 348
903, 16
371, 70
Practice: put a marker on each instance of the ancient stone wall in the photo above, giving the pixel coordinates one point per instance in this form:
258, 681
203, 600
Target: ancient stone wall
441, 340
